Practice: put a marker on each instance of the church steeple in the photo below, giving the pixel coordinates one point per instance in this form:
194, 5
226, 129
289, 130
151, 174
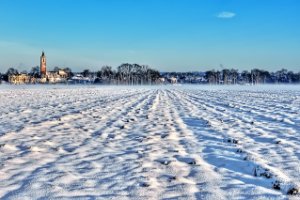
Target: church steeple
43, 69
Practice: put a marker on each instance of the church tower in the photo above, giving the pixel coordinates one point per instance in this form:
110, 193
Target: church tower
43, 68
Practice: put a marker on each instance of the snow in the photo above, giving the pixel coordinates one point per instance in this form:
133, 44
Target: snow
160, 142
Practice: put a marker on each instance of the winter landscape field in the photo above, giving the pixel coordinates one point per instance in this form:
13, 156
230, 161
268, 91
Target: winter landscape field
160, 142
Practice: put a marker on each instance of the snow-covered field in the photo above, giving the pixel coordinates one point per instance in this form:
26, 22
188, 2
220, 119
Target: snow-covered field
176, 142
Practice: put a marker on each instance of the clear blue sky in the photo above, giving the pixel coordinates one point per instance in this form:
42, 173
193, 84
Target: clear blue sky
169, 35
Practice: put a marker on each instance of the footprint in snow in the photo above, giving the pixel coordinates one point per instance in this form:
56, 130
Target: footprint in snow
168, 178
231, 140
123, 127
187, 160
144, 184
164, 161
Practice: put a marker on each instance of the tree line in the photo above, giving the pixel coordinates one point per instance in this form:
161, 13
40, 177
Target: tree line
127, 74
135, 74
254, 76
233, 76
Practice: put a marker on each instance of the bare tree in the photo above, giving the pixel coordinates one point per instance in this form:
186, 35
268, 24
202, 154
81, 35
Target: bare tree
86, 73
35, 72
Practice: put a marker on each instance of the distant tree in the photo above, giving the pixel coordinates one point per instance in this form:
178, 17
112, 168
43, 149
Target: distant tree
124, 72
35, 72
12, 71
225, 75
144, 70
292, 77
105, 75
246, 76
234, 75
107, 72
152, 76
86, 73
296, 78
265, 76
282, 76
69, 72
4, 77
218, 76
136, 74
255, 76
99, 74
211, 76
56, 69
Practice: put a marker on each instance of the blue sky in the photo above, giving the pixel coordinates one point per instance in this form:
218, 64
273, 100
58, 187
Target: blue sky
169, 35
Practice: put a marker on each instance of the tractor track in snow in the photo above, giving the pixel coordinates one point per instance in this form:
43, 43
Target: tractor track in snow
148, 143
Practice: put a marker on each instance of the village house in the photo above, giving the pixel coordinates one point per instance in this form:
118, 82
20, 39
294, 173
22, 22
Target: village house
59, 76
19, 79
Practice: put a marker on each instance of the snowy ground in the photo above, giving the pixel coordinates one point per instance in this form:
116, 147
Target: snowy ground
149, 142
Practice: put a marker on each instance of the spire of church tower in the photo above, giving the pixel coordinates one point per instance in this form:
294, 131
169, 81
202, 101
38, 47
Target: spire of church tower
43, 69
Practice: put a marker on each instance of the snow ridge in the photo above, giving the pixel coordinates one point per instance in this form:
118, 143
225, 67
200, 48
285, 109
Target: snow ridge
149, 143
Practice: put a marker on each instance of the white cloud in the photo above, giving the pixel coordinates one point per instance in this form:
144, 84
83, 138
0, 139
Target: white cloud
226, 15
